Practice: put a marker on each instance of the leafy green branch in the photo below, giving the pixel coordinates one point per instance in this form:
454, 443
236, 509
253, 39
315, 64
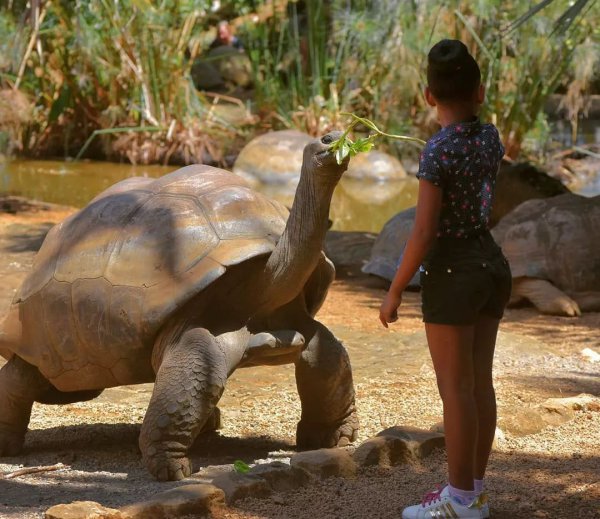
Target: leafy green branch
345, 147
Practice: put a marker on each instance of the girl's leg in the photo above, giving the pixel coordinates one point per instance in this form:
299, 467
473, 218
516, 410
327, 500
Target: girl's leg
451, 349
484, 343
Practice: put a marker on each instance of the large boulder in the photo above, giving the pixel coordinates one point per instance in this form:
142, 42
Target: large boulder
375, 165
273, 158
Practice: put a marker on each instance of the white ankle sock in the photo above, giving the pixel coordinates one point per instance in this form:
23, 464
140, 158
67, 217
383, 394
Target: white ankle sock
478, 485
463, 497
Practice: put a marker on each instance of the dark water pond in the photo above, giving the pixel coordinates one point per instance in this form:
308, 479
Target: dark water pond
357, 205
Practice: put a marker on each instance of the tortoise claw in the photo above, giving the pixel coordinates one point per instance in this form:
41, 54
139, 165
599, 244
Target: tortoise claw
164, 467
273, 347
318, 435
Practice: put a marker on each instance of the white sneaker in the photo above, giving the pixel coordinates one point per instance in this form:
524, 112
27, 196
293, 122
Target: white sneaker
440, 505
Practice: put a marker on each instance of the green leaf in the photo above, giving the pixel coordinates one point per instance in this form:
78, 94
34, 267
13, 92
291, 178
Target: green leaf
241, 467
363, 144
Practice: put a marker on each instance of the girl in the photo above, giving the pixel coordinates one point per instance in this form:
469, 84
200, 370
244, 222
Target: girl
465, 278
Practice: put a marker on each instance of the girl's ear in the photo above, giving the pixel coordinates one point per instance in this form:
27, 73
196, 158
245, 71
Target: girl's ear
429, 97
481, 94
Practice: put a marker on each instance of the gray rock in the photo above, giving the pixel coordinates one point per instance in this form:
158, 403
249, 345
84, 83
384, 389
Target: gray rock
377, 166
385, 255
383, 451
238, 486
274, 157
198, 500
281, 477
420, 442
325, 463
82, 510
349, 249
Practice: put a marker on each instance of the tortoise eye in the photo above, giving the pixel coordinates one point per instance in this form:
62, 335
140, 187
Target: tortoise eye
327, 139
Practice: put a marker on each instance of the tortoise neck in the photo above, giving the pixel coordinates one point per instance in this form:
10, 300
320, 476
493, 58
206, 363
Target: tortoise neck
299, 248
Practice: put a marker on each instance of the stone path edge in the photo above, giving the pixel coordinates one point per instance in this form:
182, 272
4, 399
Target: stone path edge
390, 447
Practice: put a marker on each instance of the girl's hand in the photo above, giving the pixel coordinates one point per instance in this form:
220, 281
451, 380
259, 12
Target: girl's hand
388, 312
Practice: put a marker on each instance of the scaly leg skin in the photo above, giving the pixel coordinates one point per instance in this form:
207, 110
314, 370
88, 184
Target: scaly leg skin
547, 298
20, 385
324, 381
189, 382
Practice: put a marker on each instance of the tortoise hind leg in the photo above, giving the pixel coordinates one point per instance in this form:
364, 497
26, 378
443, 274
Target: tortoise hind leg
190, 380
324, 381
20, 385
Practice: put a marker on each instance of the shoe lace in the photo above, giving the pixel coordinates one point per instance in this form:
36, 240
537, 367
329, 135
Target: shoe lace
432, 497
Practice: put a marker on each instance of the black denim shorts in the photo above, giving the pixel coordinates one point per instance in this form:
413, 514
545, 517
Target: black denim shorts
462, 279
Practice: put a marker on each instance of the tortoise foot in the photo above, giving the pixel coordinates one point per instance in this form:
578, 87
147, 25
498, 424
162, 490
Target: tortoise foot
11, 442
318, 435
560, 305
167, 466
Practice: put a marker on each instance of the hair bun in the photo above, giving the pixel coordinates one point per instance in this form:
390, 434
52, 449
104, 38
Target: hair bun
448, 56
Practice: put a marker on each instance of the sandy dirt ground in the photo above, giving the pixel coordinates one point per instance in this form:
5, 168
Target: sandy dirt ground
553, 473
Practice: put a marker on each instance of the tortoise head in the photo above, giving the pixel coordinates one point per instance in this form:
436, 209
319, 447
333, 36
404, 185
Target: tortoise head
320, 162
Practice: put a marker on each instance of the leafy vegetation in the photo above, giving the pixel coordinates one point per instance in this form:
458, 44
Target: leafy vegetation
119, 70
374, 61
110, 64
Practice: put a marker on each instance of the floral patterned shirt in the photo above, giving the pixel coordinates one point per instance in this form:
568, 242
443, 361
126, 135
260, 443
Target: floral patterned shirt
463, 159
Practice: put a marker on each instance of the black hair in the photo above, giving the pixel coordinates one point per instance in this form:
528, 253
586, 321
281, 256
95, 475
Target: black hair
452, 73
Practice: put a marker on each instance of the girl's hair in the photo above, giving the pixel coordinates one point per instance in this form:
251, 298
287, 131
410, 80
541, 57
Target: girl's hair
452, 73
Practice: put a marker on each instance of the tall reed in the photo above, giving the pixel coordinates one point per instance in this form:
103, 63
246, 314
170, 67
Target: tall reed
375, 57
113, 64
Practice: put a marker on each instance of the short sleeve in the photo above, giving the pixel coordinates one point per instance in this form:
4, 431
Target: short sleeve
430, 168
497, 143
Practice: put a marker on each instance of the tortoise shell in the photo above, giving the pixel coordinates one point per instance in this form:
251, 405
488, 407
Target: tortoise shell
107, 277
554, 239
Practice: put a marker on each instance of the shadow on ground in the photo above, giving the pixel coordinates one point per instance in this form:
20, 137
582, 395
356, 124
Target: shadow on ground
105, 465
520, 485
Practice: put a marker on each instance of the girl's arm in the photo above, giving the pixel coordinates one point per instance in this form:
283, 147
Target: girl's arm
424, 232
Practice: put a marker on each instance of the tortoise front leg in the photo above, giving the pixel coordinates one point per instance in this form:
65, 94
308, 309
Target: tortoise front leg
547, 298
189, 382
324, 381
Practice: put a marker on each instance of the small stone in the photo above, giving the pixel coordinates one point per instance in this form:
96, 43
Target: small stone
239, 486
198, 500
419, 441
521, 421
281, 477
591, 355
325, 463
82, 510
581, 402
383, 451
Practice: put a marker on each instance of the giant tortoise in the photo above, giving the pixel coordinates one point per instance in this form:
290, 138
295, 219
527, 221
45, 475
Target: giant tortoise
181, 280
553, 246
515, 184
